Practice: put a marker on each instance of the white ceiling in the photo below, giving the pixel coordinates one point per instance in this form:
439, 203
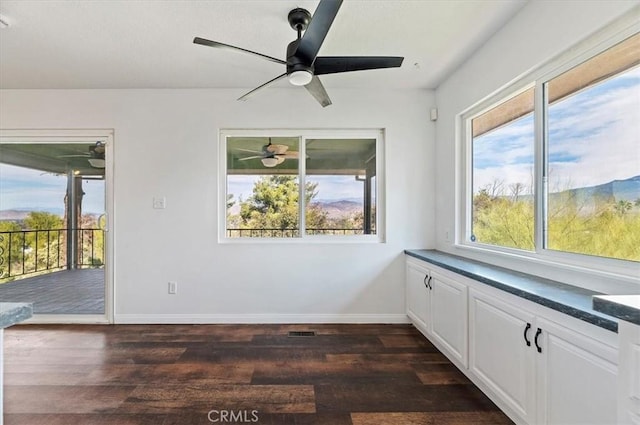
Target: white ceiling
64, 44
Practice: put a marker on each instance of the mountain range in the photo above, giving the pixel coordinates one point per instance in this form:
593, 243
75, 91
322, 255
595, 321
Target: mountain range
591, 198
613, 191
339, 209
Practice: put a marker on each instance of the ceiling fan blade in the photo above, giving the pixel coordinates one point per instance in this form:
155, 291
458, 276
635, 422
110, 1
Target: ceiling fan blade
217, 44
248, 150
251, 157
252, 92
289, 155
277, 149
313, 37
335, 64
317, 90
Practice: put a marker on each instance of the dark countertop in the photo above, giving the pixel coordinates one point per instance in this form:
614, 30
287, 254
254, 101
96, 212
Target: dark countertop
567, 299
624, 307
12, 313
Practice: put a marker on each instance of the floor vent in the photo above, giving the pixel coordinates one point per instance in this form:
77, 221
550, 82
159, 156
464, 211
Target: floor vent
301, 333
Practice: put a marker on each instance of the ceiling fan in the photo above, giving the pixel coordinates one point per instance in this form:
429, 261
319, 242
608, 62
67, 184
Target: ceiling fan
271, 154
95, 156
303, 63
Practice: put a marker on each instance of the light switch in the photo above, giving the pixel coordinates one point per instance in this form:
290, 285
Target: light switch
159, 202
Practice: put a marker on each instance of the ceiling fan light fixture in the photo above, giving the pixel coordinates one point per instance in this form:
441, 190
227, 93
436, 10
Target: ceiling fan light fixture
97, 162
270, 162
300, 78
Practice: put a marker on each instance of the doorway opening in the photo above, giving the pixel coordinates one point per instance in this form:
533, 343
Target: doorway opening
54, 243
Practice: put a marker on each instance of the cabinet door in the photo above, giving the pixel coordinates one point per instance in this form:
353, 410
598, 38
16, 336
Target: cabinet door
628, 373
448, 307
499, 355
417, 296
576, 378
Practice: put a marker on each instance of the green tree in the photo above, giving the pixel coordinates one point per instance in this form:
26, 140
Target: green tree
504, 222
274, 205
40, 242
40, 220
589, 226
11, 243
91, 238
622, 207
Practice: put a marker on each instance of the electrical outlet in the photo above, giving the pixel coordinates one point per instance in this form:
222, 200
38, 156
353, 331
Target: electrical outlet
173, 287
447, 235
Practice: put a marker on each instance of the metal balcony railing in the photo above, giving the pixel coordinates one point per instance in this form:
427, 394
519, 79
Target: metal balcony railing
24, 252
288, 233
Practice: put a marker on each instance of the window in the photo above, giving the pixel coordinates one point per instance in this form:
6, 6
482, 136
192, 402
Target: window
502, 158
554, 168
271, 193
593, 156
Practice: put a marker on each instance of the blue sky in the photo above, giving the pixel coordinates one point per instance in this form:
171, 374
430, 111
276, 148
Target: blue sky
22, 188
594, 138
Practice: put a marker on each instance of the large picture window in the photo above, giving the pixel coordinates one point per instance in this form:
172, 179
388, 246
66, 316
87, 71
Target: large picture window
554, 168
298, 185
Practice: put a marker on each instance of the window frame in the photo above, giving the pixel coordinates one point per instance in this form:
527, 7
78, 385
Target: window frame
583, 51
303, 135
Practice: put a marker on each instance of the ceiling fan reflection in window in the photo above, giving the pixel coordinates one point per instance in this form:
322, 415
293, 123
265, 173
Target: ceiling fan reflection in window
95, 156
271, 154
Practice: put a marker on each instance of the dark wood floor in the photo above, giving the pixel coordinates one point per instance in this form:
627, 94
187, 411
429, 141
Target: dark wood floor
181, 374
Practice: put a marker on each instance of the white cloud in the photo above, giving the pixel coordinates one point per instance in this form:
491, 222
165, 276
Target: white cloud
609, 146
23, 188
597, 139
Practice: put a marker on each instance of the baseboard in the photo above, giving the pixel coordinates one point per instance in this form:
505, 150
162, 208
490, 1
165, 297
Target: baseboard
257, 318
51, 319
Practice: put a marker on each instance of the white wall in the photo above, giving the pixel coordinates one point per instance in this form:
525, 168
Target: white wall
539, 32
166, 143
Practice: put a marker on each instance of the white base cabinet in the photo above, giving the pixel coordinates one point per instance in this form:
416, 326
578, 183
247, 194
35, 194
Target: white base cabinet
576, 378
541, 371
629, 378
449, 316
538, 366
437, 305
500, 353
417, 294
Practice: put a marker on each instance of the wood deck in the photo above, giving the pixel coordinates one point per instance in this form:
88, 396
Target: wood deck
195, 374
63, 292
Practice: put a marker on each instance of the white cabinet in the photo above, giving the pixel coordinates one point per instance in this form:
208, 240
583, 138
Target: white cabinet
542, 372
417, 295
576, 377
538, 365
437, 305
629, 377
449, 321
501, 354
